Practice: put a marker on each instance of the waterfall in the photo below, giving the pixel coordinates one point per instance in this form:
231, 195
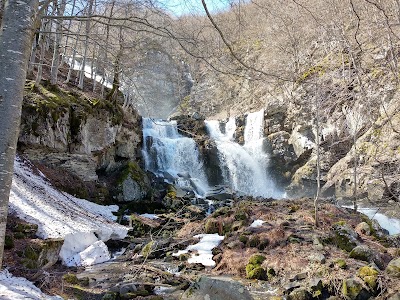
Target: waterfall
244, 168
173, 156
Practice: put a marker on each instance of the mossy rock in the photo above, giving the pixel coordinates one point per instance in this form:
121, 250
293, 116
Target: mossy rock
343, 237
341, 263
256, 259
353, 289
256, 272
362, 253
393, 268
370, 276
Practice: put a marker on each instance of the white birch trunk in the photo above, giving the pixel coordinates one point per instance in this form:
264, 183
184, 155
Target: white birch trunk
15, 47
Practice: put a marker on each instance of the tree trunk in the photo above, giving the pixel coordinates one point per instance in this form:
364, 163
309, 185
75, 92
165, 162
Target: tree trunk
87, 32
316, 200
112, 95
72, 65
57, 41
15, 47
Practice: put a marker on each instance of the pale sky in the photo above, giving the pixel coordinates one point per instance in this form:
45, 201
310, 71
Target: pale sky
181, 7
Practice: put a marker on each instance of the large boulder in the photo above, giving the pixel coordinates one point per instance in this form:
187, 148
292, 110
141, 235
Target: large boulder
217, 288
393, 268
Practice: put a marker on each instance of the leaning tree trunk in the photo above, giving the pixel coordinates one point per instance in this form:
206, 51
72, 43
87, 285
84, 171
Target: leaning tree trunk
15, 46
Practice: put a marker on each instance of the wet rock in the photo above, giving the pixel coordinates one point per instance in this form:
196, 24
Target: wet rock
393, 268
217, 288
363, 228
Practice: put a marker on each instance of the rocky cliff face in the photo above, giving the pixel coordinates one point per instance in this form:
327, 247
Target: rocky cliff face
88, 140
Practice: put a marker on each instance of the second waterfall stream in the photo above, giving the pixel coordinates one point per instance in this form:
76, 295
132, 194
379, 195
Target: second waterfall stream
244, 168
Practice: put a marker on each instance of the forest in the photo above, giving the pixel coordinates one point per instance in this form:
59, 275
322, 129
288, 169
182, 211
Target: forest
198, 149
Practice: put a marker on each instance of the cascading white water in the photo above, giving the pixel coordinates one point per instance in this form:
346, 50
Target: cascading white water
173, 156
244, 168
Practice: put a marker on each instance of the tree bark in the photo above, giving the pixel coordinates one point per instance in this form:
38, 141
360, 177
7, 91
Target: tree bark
15, 46
57, 41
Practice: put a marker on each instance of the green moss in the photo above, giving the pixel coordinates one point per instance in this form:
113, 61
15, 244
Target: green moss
19, 235
110, 296
244, 239
70, 278
133, 170
256, 259
254, 241
341, 263
148, 249
340, 223
256, 273
8, 242
369, 276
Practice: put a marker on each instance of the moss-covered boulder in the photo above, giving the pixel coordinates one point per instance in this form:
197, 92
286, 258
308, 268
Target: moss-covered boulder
254, 269
344, 237
365, 253
353, 289
132, 183
393, 268
299, 294
370, 276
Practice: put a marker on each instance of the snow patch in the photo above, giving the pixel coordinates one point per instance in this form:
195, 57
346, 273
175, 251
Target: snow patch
203, 249
150, 216
59, 215
257, 223
18, 288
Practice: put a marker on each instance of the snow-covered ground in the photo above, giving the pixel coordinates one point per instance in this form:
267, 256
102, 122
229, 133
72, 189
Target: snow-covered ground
203, 249
83, 225
18, 288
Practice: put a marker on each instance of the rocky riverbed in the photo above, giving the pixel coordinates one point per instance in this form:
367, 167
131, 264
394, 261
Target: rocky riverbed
267, 249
